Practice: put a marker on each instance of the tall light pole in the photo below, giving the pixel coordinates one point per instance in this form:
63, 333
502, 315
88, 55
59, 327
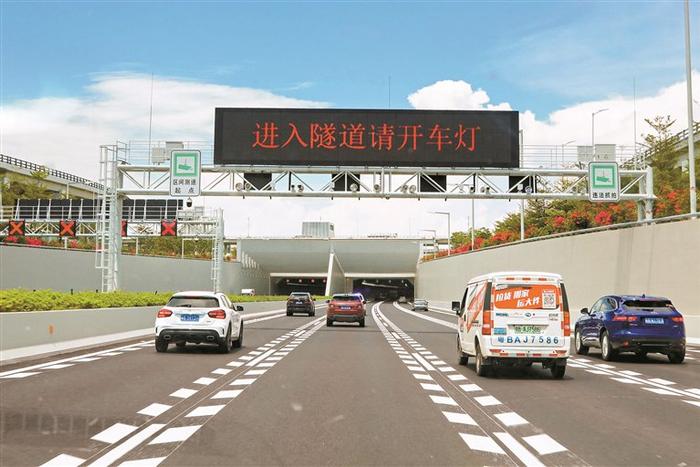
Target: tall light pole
449, 230
593, 130
434, 239
689, 92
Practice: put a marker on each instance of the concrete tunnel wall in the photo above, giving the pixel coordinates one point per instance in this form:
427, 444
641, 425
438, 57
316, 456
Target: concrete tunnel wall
58, 269
661, 259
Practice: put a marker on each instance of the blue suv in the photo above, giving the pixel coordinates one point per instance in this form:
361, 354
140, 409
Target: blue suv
631, 323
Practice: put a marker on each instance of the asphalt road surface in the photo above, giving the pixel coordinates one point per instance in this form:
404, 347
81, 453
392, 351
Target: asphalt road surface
301, 393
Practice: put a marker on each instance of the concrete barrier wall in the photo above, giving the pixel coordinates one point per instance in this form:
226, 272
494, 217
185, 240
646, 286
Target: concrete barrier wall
47, 268
661, 259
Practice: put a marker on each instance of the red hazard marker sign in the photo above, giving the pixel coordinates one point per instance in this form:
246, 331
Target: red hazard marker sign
16, 228
67, 228
168, 228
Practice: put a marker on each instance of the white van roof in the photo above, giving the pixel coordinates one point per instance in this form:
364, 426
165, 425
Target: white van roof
517, 274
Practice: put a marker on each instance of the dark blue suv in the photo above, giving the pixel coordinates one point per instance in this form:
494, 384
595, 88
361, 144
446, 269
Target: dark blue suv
631, 323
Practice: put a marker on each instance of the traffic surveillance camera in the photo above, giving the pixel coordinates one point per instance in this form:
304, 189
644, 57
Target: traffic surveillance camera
412, 189
188, 202
377, 187
354, 187
472, 189
300, 188
528, 190
239, 186
520, 187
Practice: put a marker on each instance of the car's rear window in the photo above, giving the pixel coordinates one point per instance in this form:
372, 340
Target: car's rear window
649, 304
526, 296
299, 294
194, 302
347, 298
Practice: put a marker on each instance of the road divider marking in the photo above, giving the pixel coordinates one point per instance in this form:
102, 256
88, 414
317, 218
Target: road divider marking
470, 388
205, 411
221, 371
544, 444
227, 394
663, 392
154, 409
115, 433
518, 449
151, 462
481, 443
204, 381
432, 387
183, 393
511, 419
63, 460
626, 380
242, 382
176, 434
21, 375
458, 417
695, 403
486, 401
445, 400
118, 452
661, 381
423, 362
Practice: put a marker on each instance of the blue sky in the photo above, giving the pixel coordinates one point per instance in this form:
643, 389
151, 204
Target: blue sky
539, 56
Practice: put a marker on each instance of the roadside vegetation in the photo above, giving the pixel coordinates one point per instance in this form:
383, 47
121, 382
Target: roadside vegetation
43, 300
558, 216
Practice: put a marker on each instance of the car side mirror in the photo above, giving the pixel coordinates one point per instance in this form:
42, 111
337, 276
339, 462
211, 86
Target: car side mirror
455, 307
584, 311
328, 301
239, 308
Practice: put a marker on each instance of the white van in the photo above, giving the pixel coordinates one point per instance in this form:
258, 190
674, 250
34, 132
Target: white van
247, 291
514, 318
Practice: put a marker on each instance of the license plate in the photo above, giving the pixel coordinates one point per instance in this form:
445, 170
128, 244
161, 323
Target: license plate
298, 302
344, 307
527, 329
189, 317
654, 320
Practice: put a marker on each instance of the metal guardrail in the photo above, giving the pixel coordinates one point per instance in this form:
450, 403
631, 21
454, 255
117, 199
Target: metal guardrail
622, 225
677, 139
31, 166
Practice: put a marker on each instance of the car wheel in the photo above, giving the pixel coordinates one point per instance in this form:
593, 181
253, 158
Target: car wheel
558, 371
606, 348
289, 313
329, 322
238, 343
362, 323
580, 348
226, 345
481, 369
463, 358
676, 357
161, 345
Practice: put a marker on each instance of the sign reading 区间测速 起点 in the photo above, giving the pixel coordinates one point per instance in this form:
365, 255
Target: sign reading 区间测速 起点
376, 138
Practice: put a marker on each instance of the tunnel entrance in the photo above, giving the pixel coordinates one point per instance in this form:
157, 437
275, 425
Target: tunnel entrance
287, 285
384, 289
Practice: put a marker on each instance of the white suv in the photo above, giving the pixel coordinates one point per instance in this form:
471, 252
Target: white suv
199, 317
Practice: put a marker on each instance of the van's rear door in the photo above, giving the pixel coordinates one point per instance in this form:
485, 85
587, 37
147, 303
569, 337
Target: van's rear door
527, 312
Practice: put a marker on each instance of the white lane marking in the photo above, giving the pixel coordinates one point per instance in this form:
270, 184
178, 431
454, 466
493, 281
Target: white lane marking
205, 411
694, 390
663, 382
446, 369
630, 373
118, 452
183, 393
255, 372
423, 362
422, 376
20, 375
234, 363
227, 394
604, 365
427, 318
254, 352
415, 368
109, 354
486, 401
438, 362
150, 462
114, 433
696, 403
626, 380
457, 377
470, 387
266, 365
221, 371
445, 400
273, 359
246, 357
257, 320
458, 417
63, 460
689, 358
544, 444
574, 365
519, 450
242, 382
205, 381
396, 336
261, 358
598, 372
481, 443
511, 419
58, 366
177, 434
86, 359
583, 360
664, 392
154, 409
432, 387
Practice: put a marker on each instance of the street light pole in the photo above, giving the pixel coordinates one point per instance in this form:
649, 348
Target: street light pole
562, 150
435, 242
449, 229
689, 92
593, 130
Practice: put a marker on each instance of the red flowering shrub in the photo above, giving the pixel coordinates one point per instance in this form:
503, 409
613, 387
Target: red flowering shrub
603, 218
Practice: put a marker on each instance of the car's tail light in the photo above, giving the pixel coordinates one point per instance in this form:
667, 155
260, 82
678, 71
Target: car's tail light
488, 323
625, 318
566, 324
164, 313
218, 314
632, 318
677, 319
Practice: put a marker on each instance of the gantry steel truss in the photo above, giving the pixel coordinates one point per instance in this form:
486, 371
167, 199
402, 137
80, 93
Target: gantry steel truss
345, 182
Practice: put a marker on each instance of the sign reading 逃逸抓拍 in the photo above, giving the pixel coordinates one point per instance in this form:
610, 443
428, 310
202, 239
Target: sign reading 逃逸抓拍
603, 181
375, 138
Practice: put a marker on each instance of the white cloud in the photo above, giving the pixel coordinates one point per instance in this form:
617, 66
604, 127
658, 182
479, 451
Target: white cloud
453, 95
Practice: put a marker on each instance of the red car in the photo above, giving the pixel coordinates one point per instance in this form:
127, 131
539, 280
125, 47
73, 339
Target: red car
346, 308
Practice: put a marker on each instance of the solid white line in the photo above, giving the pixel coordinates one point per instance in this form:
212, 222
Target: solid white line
423, 362
519, 450
626, 380
661, 381
118, 452
20, 375
427, 318
696, 403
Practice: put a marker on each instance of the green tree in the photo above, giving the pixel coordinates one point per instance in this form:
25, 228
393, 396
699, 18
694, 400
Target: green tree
18, 187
